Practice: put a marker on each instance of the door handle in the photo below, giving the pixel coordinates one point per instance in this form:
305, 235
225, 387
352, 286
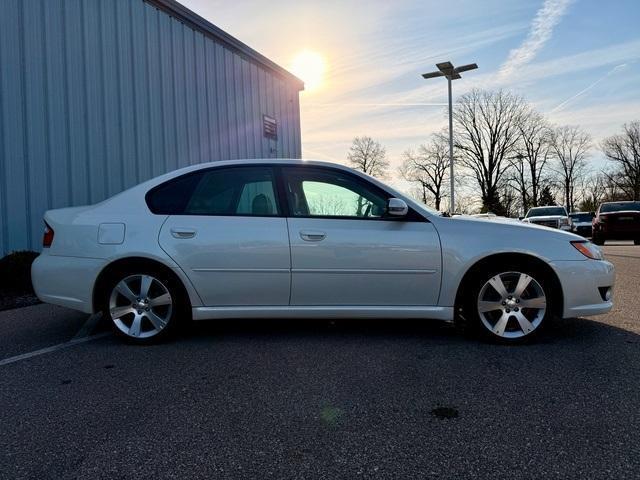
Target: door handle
312, 235
183, 232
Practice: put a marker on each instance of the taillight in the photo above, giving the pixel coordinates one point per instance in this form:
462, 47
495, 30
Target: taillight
47, 238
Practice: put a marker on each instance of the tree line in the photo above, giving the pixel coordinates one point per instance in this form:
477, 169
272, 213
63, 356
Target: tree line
512, 158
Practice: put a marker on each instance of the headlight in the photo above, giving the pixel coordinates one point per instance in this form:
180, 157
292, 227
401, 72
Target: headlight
588, 249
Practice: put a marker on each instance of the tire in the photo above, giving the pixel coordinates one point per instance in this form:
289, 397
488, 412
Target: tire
144, 305
598, 239
493, 306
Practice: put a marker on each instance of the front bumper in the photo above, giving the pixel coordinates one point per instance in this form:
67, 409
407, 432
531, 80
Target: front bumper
66, 281
581, 280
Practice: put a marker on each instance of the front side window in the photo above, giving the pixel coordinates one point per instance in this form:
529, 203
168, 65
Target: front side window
316, 193
219, 191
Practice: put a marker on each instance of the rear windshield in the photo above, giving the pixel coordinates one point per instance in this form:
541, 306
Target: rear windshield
620, 207
580, 217
546, 211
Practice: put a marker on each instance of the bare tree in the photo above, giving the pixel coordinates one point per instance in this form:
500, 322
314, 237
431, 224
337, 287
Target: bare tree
368, 156
508, 199
570, 147
528, 165
624, 151
428, 167
594, 192
486, 135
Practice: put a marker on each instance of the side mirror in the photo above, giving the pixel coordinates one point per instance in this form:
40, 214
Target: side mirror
397, 207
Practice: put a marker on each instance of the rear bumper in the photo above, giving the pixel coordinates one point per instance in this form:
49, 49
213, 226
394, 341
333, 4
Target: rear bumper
66, 281
580, 282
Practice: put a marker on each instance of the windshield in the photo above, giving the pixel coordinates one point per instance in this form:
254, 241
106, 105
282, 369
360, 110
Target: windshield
580, 217
546, 211
620, 207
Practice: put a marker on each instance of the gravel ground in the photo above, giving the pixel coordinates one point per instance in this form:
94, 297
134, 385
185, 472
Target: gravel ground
321, 399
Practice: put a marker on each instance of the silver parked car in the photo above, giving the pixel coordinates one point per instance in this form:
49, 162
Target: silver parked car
305, 239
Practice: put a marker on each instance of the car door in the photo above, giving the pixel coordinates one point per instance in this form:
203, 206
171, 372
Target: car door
346, 251
229, 236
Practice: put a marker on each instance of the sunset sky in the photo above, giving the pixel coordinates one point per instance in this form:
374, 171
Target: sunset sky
577, 61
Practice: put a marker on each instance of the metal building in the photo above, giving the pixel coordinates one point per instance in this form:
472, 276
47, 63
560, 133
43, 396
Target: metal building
98, 95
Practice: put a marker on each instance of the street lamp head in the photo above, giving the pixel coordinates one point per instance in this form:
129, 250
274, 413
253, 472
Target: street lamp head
464, 68
432, 75
446, 69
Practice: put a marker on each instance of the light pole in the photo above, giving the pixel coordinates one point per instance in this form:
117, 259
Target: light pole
446, 69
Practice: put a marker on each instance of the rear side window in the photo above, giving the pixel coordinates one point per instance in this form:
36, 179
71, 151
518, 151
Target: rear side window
220, 191
172, 197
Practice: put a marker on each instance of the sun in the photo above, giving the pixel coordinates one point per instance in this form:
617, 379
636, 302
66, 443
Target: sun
310, 67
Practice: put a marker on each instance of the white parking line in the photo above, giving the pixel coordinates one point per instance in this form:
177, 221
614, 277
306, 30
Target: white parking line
54, 348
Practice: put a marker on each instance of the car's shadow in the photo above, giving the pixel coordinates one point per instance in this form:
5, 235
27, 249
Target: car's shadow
558, 332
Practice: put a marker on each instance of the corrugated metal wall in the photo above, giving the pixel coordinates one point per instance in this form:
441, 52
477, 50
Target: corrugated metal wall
98, 95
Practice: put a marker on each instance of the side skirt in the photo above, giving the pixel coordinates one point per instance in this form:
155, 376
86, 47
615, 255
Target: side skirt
342, 312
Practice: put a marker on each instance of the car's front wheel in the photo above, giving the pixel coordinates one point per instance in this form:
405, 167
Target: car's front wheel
143, 306
509, 305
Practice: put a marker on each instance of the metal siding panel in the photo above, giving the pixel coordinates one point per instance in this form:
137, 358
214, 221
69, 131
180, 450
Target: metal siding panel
37, 179
59, 167
94, 126
168, 94
274, 152
232, 126
3, 174
128, 133
297, 132
284, 113
140, 85
223, 111
179, 80
16, 166
200, 99
212, 100
154, 92
110, 104
247, 117
190, 96
264, 142
256, 117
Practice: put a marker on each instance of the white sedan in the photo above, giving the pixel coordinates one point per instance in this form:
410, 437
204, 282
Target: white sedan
306, 239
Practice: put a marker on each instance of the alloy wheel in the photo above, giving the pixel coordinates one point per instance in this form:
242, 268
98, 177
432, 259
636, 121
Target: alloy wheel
140, 306
512, 304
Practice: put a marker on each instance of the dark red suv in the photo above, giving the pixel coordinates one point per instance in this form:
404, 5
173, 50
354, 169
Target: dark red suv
617, 221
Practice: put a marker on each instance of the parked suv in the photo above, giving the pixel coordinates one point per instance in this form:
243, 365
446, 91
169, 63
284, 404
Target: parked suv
581, 223
617, 221
549, 216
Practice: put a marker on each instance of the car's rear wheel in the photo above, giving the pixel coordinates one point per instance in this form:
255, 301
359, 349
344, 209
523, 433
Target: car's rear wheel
509, 305
143, 306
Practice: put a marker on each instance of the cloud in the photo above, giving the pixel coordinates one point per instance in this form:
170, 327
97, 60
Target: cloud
615, 69
540, 32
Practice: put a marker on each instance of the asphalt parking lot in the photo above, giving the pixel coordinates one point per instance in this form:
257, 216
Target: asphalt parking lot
322, 399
